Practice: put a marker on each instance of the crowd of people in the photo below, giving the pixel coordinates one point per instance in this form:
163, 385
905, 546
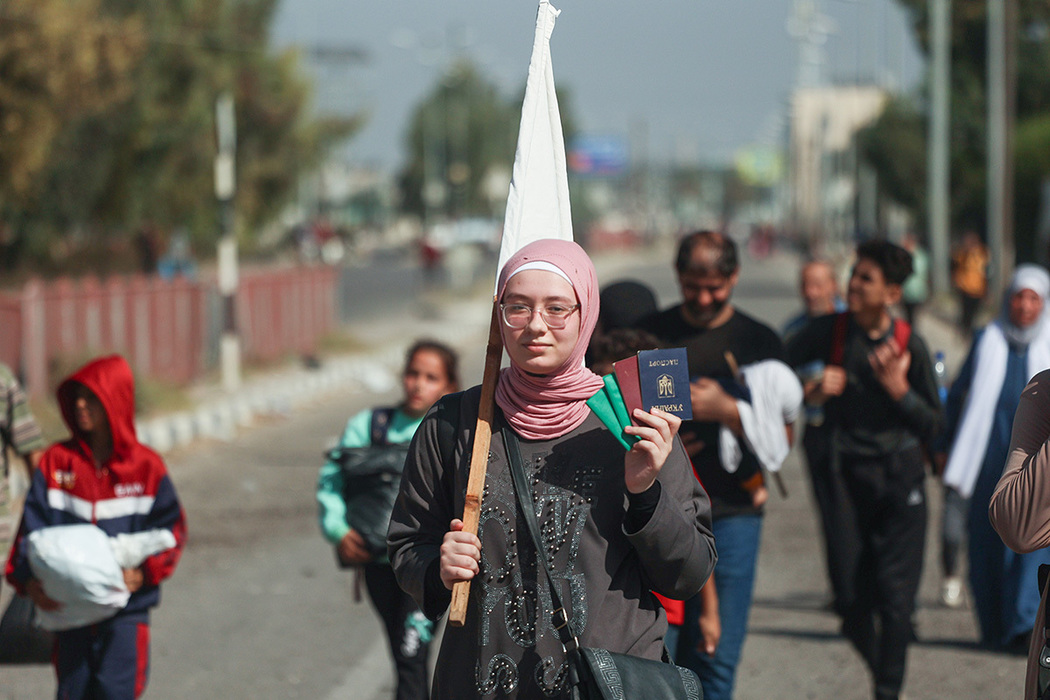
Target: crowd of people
649, 532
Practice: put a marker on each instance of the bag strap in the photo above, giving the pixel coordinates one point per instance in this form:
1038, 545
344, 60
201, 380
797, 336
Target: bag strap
1044, 652
901, 333
521, 487
380, 425
837, 355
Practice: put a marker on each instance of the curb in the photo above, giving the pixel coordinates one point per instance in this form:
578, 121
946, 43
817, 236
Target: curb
276, 395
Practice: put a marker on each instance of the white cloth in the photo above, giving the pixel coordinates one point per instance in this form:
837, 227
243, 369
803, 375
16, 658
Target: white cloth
82, 568
542, 265
975, 426
538, 202
76, 566
776, 401
132, 548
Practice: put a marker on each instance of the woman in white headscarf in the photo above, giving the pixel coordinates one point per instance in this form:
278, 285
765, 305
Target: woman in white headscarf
981, 406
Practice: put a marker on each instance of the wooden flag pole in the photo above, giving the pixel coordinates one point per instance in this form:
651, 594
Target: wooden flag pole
479, 457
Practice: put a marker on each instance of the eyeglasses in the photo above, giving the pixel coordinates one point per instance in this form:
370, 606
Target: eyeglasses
555, 316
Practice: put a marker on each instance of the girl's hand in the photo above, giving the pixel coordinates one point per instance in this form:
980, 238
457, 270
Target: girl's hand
353, 549
460, 555
646, 458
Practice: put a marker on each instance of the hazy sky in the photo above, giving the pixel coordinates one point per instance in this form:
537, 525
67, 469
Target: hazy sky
698, 78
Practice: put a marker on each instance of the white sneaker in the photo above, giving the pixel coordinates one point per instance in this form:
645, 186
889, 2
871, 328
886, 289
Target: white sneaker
952, 592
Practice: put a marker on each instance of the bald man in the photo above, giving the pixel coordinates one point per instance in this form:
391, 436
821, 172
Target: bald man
819, 290
820, 294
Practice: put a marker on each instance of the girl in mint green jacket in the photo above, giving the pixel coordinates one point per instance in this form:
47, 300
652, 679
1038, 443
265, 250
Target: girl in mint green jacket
431, 371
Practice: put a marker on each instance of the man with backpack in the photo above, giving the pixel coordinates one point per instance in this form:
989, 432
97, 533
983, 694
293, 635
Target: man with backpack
881, 404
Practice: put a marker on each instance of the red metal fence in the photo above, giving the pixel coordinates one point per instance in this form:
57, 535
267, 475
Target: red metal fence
167, 329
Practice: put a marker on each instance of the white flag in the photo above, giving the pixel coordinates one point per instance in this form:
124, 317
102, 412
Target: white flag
538, 203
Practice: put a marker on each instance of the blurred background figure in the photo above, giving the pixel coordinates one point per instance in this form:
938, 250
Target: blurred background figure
178, 260
820, 295
916, 288
819, 290
1004, 356
624, 304
147, 247
20, 434
970, 278
431, 371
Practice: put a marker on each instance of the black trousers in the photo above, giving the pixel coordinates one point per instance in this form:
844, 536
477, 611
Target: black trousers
408, 632
889, 502
836, 515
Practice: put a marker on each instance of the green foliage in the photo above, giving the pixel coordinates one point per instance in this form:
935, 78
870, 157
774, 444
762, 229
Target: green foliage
902, 170
1032, 170
459, 135
114, 125
895, 145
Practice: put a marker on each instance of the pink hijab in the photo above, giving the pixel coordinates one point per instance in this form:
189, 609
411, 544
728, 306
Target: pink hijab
546, 407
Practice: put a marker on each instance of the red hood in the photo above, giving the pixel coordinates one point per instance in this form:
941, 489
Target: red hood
111, 380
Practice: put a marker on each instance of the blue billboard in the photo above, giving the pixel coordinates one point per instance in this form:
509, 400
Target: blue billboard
598, 155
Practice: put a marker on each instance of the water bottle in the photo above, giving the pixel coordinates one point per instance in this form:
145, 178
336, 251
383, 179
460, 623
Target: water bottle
940, 372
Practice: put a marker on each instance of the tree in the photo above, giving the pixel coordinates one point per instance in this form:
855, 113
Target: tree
461, 136
61, 64
145, 152
896, 144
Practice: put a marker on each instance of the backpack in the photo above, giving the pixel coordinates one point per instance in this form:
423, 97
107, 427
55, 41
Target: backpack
901, 334
372, 475
371, 481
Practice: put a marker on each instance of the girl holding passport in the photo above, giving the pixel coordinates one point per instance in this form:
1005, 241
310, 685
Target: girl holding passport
614, 524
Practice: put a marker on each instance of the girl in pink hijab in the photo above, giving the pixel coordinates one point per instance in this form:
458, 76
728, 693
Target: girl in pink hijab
615, 525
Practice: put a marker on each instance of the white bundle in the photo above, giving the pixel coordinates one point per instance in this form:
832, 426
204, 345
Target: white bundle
132, 548
77, 568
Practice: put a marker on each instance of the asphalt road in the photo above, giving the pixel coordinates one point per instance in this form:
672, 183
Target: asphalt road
258, 609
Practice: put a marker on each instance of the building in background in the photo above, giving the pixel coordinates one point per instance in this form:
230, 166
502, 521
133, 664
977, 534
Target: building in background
833, 197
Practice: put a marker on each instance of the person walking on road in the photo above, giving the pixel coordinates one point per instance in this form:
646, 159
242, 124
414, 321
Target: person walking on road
1004, 356
970, 278
617, 524
19, 431
820, 295
102, 475
430, 372
709, 326
880, 397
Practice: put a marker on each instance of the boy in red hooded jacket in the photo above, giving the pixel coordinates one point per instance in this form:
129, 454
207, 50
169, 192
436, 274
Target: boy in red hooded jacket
104, 476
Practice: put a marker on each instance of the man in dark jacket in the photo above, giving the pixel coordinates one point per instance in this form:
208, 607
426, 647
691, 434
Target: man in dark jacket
880, 402
710, 328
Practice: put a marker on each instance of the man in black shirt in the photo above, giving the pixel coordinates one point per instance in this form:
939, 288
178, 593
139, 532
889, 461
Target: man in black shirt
880, 403
710, 327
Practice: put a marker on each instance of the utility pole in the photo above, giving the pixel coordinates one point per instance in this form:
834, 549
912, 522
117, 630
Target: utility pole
937, 169
225, 186
1001, 41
